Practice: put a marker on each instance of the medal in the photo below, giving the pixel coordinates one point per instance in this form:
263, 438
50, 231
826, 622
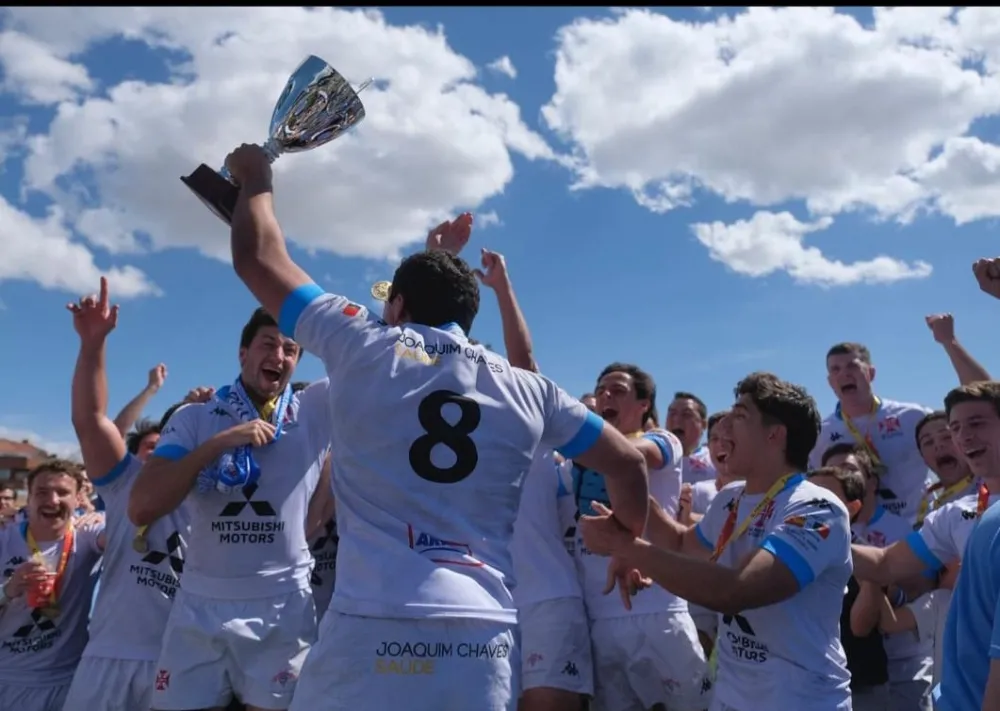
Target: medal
139, 544
51, 612
380, 290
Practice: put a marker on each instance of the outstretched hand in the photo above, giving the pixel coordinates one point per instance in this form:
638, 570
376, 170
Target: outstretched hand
93, 317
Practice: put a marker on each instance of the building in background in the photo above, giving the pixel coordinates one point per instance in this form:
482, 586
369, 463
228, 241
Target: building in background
16, 460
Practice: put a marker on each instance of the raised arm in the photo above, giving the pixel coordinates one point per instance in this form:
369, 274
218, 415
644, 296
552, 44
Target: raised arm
131, 413
260, 256
966, 367
101, 444
516, 337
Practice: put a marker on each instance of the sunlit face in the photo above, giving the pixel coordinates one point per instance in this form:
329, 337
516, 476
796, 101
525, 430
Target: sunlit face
268, 364
684, 420
749, 436
53, 498
937, 447
85, 493
147, 445
590, 402
618, 403
720, 446
849, 377
975, 430
7, 498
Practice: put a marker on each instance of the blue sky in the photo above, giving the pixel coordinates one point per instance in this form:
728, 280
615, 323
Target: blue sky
893, 148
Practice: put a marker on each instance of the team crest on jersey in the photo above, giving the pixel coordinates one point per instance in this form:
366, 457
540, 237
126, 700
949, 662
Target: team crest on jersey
442, 551
890, 428
756, 528
351, 310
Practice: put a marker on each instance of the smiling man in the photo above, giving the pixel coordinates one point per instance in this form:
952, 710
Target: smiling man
249, 463
937, 447
885, 428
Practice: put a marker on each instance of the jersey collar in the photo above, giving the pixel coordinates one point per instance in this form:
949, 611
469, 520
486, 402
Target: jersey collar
839, 415
451, 327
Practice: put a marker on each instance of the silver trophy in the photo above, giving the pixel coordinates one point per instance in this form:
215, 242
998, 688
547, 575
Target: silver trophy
317, 106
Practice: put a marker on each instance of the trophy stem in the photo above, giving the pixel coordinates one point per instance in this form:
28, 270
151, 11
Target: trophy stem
365, 84
271, 149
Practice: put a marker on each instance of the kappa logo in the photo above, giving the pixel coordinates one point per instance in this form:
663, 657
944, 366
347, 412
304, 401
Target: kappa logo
809, 524
570, 669
11, 564
260, 508
38, 622
221, 412
969, 515
173, 554
836, 436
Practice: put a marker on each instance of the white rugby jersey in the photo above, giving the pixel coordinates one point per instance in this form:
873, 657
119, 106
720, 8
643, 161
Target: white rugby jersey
698, 466
251, 543
702, 494
432, 437
946, 530
143, 583
908, 653
34, 650
787, 655
893, 433
545, 527
665, 487
324, 572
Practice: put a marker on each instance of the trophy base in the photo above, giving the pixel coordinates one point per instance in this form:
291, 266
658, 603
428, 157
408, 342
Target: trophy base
218, 194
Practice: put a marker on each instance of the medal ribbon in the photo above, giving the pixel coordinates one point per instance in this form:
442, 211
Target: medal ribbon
983, 500
67, 547
943, 498
730, 533
866, 439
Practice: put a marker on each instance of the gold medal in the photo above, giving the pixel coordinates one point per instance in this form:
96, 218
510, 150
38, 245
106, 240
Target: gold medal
140, 544
380, 290
51, 612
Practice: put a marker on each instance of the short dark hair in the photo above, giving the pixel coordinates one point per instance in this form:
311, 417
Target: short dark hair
860, 350
716, 418
437, 288
852, 482
586, 395
851, 449
57, 466
983, 391
645, 386
702, 408
789, 405
926, 420
142, 429
258, 320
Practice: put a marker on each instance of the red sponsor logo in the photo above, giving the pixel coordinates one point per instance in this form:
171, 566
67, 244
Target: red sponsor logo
534, 658
351, 310
889, 425
162, 680
821, 529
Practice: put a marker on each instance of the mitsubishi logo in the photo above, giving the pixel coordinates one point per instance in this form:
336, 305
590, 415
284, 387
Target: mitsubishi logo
38, 622
172, 555
260, 508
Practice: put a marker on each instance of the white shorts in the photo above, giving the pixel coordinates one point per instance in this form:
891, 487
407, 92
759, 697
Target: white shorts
555, 646
373, 664
213, 649
102, 684
647, 659
33, 698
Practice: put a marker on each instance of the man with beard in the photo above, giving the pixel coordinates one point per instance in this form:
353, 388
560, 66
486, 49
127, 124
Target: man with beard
647, 655
248, 463
432, 437
885, 428
141, 566
687, 419
46, 592
783, 561
954, 478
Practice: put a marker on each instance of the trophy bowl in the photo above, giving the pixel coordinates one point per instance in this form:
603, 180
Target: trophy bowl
316, 106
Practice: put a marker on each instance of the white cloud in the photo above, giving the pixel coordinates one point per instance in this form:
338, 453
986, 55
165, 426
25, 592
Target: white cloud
786, 104
488, 219
769, 242
41, 250
504, 66
34, 72
60, 448
433, 143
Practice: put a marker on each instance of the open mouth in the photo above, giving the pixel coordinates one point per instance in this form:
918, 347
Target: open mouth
946, 460
848, 388
271, 375
975, 454
609, 413
677, 432
51, 514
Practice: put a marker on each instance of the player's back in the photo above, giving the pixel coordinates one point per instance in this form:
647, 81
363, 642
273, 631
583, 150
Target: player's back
432, 437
